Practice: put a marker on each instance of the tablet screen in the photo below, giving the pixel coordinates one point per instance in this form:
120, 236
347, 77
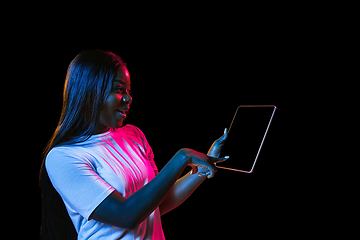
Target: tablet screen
246, 136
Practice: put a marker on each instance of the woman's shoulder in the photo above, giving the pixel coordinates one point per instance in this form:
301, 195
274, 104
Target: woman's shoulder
129, 127
132, 130
58, 151
62, 155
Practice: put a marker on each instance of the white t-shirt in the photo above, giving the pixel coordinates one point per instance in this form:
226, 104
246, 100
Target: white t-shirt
86, 173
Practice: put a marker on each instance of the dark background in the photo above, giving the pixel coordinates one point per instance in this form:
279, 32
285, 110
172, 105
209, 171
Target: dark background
191, 65
185, 92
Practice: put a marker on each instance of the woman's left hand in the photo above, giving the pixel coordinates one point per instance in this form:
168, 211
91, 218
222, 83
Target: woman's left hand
216, 147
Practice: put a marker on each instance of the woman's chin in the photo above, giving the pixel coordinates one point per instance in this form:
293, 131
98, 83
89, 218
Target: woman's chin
119, 124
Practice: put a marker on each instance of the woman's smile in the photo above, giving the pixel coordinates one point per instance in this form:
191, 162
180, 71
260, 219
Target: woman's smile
122, 113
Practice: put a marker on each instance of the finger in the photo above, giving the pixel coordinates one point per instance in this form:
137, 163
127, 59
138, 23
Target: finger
202, 171
225, 133
224, 136
216, 160
203, 174
211, 174
212, 168
206, 172
208, 169
222, 139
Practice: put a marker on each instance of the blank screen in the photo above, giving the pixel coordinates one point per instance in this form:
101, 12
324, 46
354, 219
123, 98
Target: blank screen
245, 136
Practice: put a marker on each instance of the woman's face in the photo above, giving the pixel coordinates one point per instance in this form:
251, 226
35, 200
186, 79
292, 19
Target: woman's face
117, 105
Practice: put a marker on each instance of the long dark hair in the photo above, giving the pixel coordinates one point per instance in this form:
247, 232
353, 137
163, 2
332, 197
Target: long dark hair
88, 83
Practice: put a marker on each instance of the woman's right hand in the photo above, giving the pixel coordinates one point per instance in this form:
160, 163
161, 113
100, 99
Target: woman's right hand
196, 159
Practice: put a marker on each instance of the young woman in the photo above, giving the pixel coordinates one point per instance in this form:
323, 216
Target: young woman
98, 178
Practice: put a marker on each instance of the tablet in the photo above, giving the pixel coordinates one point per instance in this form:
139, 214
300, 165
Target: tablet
246, 136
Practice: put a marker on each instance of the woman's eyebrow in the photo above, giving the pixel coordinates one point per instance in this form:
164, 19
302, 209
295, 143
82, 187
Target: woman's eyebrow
119, 80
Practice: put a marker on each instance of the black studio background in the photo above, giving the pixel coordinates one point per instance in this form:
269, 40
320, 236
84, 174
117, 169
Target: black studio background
184, 95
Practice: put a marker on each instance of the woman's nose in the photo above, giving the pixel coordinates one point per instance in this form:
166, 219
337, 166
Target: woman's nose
127, 98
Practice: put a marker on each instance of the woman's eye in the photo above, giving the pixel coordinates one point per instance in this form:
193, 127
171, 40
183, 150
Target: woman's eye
122, 89
118, 89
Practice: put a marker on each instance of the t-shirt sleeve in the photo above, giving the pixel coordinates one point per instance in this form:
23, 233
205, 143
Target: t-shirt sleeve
80, 187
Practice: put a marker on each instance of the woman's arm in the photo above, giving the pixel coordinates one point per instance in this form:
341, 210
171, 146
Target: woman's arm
128, 213
181, 190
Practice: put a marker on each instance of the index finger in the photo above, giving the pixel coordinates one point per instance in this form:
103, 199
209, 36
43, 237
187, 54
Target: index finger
216, 160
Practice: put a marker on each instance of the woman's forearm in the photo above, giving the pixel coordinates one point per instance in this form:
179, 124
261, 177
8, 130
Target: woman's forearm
181, 190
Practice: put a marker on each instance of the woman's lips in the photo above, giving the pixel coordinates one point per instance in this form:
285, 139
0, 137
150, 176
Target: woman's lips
122, 113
